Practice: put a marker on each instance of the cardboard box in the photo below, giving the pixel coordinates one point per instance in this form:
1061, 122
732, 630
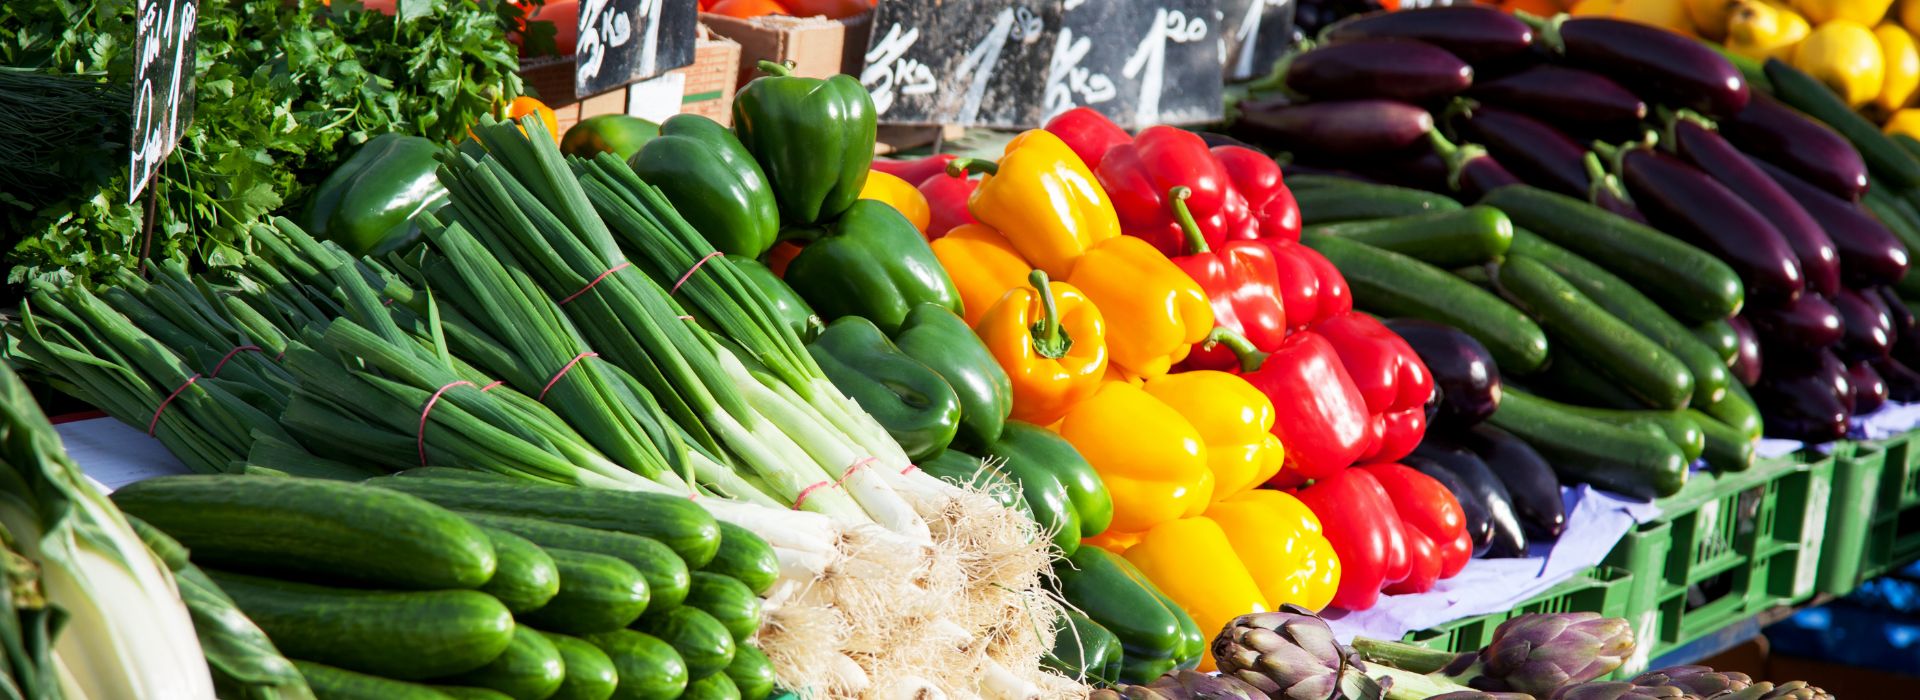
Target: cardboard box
817, 46
713, 77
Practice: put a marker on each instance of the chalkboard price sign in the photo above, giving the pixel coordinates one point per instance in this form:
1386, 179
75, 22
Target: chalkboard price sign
1139, 63
163, 85
960, 62
1253, 35
627, 41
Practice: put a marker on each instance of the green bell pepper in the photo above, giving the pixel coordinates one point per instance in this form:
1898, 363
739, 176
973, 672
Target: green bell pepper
908, 398
871, 263
713, 182
1084, 649
787, 306
942, 340
368, 204
1062, 489
814, 137
1155, 635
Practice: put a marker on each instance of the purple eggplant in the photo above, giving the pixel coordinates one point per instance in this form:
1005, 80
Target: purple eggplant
1356, 128
1804, 324
1481, 36
1538, 153
1663, 67
1867, 326
1509, 540
1614, 200
1529, 479
1746, 359
1903, 384
1408, 71
1801, 145
1870, 255
1479, 522
1808, 401
1296, 167
1681, 200
1581, 101
1468, 171
1462, 369
1712, 154
1896, 310
1869, 390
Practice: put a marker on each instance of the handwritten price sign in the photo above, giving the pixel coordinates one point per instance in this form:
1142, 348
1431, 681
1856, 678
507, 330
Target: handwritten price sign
1139, 63
971, 63
1254, 34
627, 41
163, 85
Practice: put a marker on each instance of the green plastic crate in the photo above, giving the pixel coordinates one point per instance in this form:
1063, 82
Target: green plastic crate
1892, 537
1857, 475
1602, 589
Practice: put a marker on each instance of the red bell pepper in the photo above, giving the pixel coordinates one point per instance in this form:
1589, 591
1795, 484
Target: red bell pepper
1138, 176
947, 202
1427, 507
1243, 285
1391, 377
1358, 518
1311, 287
916, 170
1318, 412
1257, 178
1088, 133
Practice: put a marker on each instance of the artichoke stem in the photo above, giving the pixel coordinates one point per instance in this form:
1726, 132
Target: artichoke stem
1407, 685
1401, 655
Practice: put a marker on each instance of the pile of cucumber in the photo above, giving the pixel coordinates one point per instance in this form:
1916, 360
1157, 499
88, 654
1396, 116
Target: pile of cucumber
1603, 329
441, 583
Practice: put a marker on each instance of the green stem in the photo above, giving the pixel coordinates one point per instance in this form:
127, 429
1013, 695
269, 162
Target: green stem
778, 70
1546, 30
966, 167
1402, 655
1250, 357
1407, 685
1196, 241
1049, 339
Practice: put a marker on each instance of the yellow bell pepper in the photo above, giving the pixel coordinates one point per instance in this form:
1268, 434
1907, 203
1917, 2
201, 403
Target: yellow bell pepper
1044, 199
1194, 564
1052, 342
1280, 543
1113, 541
1155, 311
1594, 8
1151, 458
1670, 15
1844, 55
1235, 421
1864, 12
1709, 17
1759, 29
983, 266
889, 188
1902, 61
1906, 121
1910, 15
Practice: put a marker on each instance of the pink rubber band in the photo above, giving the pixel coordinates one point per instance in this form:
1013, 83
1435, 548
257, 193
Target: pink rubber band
496, 382
802, 498
229, 356
691, 270
836, 483
563, 372
420, 436
163, 403
583, 290
909, 469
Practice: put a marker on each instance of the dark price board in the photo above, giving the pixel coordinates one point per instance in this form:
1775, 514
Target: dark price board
961, 62
626, 41
162, 85
1139, 63
1255, 33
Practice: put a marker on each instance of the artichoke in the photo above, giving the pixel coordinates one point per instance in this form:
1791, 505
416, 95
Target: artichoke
1696, 680
1481, 695
1538, 653
1291, 653
1616, 690
1183, 685
1791, 690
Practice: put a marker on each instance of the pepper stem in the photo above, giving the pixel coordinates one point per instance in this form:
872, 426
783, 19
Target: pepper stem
964, 167
778, 70
1402, 655
1250, 356
1049, 339
1196, 241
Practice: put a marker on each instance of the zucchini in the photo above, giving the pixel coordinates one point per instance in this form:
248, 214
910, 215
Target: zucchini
1673, 426
1738, 411
714, 687
648, 668
589, 673
1688, 282
1452, 238
1803, 92
524, 577
530, 668
666, 574
1579, 326
1718, 335
329, 683
1709, 368
746, 557
1728, 449
728, 601
408, 635
328, 530
461, 692
675, 521
598, 593
1582, 449
751, 673
702, 642
1360, 201
1394, 285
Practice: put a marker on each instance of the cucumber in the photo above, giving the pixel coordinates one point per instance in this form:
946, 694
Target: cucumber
530, 668
1573, 380
524, 578
702, 642
728, 601
1452, 238
1360, 201
1306, 181
331, 683
714, 687
1477, 275
1709, 368
648, 668
1727, 448
1908, 144
1579, 326
407, 635
598, 593
314, 528
1803, 92
589, 673
1674, 426
1582, 449
751, 673
1394, 285
1883, 207
675, 521
461, 692
1688, 282
746, 557
1738, 411
666, 574
1718, 335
